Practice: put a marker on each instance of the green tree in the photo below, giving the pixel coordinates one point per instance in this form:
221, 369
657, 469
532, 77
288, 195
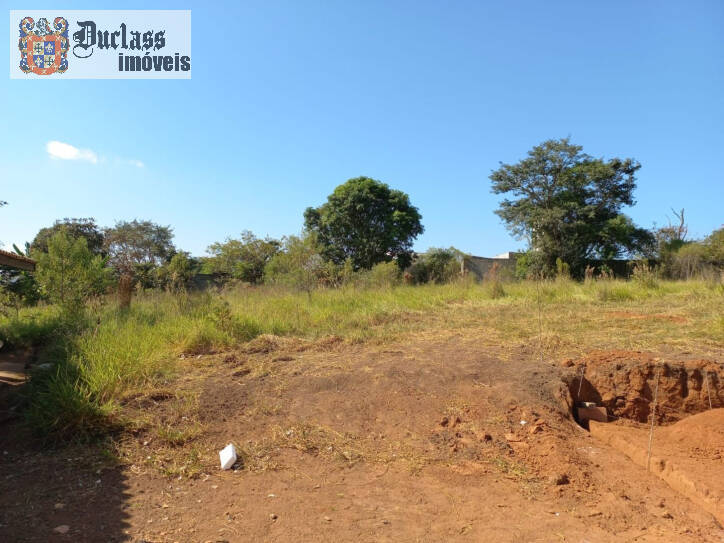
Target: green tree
436, 265
69, 273
180, 270
76, 228
367, 222
300, 265
135, 248
243, 258
697, 258
714, 247
568, 205
669, 239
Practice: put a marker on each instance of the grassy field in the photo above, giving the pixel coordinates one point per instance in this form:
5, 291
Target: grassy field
114, 353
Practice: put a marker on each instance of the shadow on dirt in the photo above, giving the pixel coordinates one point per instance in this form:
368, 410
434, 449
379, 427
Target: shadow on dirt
71, 493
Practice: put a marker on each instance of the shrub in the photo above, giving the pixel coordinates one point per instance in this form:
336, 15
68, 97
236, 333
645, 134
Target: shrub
240, 329
300, 265
436, 266
69, 273
696, 258
645, 275
179, 272
530, 265
382, 275
496, 290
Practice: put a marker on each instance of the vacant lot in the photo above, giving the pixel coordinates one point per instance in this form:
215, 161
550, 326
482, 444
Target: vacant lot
430, 413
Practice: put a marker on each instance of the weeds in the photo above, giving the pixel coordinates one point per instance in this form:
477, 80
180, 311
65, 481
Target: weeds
509, 467
175, 437
189, 466
112, 353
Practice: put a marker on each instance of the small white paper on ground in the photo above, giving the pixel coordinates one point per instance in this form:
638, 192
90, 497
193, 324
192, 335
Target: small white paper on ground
227, 456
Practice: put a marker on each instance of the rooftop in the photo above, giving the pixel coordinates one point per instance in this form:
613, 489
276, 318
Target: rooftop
15, 260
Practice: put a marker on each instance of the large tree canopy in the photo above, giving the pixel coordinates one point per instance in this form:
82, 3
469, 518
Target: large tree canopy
76, 228
367, 222
568, 204
134, 249
138, 243
243, 258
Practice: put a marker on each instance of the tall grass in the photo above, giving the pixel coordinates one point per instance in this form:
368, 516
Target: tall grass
120, 351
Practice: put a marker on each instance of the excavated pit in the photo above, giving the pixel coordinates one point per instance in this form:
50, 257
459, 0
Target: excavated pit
624, 383
686, 448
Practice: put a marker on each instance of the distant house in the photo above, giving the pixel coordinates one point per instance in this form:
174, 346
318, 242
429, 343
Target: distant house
13, 260
509, 255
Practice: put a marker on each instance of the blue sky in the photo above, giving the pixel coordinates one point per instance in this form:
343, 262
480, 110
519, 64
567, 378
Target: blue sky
290, 99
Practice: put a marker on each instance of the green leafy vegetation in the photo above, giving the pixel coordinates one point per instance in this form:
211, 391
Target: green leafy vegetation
568, 206
366, 222
244, 259
436, 266
68, 273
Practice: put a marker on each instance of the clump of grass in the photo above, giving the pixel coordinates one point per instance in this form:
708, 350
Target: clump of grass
189, 466
496, 290
175, 436
645, 276
614, 293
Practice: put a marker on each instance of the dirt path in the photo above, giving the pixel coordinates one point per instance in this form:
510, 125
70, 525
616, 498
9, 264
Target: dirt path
439, 438
13, 366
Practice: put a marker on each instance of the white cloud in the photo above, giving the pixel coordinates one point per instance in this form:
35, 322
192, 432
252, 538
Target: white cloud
65, 151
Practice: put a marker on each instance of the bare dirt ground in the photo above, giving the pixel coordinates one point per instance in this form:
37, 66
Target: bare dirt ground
687, 455
444, 437
13, 365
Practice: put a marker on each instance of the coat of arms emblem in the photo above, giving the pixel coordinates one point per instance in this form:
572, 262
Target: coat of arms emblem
44, 50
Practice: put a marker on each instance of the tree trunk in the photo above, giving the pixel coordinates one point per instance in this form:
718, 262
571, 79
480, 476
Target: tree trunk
125, 290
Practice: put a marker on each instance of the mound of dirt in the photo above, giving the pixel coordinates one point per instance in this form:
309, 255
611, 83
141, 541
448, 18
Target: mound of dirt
624, 382
687, 455
700, 436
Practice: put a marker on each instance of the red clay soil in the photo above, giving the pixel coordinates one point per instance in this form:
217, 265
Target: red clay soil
688, 455
624, 382
643, 316
435, 438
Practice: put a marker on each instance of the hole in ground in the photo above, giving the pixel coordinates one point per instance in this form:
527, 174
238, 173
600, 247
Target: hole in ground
624, 383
